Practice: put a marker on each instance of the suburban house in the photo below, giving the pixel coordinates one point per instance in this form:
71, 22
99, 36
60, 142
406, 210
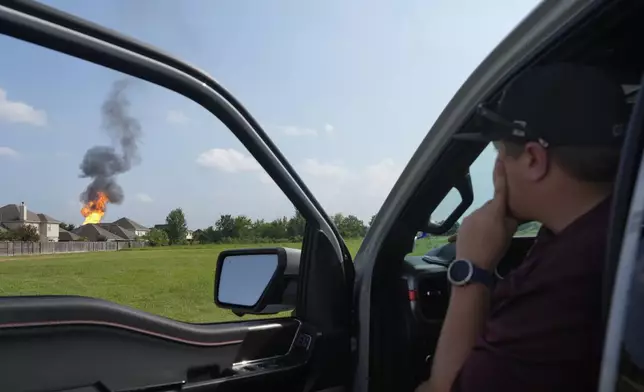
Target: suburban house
13, 216
94, 232
119, 231
130, 225
66, 236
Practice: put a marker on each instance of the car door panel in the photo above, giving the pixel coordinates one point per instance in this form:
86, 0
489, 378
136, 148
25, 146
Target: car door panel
75, 341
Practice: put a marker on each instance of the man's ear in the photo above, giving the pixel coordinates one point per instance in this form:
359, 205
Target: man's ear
535, 161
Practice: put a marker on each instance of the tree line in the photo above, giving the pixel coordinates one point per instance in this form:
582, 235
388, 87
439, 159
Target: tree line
240, 228
227, 229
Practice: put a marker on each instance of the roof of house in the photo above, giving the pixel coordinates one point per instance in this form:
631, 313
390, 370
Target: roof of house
92, 232
46, 218
118, 230
64, 235
129, 224
11, 213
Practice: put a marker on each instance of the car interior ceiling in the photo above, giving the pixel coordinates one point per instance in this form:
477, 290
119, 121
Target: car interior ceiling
611, 37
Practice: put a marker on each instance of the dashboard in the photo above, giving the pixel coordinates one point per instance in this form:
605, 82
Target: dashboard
425, 290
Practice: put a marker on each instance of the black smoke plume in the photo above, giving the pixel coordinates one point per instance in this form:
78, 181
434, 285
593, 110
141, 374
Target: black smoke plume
104, 163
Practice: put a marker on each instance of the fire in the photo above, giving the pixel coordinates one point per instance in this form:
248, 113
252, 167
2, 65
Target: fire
94, 210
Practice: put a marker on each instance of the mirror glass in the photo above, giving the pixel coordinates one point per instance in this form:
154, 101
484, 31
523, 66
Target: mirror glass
244, 278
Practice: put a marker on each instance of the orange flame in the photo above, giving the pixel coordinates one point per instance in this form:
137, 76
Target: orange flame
94, 210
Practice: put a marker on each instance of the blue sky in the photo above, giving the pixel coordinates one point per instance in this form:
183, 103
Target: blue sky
347, 90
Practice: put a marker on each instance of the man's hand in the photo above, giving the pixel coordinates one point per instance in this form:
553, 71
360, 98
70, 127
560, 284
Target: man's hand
484, 236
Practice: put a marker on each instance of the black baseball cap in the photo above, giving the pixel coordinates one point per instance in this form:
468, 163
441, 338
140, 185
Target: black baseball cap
557, 104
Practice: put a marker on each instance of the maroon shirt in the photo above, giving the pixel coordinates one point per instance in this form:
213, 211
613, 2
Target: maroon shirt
544, 330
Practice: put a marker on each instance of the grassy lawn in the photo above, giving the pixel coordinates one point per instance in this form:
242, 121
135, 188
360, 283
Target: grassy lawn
172, 282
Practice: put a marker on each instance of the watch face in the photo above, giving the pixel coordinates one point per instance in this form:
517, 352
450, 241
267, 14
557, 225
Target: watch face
460, 272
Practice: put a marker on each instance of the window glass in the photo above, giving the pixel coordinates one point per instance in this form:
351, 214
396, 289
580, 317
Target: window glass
118, 189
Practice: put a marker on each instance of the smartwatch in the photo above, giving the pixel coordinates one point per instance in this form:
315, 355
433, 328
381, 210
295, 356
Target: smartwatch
463, 272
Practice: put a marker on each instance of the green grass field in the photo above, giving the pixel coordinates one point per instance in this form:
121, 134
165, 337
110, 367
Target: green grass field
176, 282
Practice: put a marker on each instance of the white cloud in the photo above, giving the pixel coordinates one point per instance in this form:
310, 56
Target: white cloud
313, 167
381, 177
20, 112
227, 160
8, 152
144, 198
340, 188
297, 131
176, 117
351, 190
329, 129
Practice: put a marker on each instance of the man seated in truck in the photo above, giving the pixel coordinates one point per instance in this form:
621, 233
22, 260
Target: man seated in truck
558, 130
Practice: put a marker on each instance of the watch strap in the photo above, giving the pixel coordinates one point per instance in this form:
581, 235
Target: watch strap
479, 275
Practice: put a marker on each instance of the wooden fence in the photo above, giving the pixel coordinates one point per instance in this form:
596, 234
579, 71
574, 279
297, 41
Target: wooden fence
45, 248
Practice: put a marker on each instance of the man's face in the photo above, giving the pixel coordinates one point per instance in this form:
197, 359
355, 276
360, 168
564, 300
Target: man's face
525, 168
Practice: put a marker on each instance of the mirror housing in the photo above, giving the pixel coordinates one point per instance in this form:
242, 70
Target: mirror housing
257, 281
464, 187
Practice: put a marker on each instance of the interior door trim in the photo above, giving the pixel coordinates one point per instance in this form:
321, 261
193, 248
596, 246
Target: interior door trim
37, 324
65, 311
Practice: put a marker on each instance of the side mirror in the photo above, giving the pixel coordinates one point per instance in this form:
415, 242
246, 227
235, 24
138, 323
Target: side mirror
464, 187
257, 281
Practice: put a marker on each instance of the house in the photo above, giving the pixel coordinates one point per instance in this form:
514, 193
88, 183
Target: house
119, 231
130, 225
94, 232
66, 236
14, 216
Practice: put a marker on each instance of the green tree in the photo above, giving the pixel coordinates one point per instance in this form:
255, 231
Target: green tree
337, 219
27, 233
6, 235
352, 227
296, 225
176, 226
373, 217
242, 228
225, 225
158, 237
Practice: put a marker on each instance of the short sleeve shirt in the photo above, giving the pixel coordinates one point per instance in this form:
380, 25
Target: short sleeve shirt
544, 330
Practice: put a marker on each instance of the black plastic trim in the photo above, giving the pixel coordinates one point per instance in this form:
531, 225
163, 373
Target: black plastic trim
627, 173
48, 311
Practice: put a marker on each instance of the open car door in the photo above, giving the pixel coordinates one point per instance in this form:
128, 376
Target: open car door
76, 343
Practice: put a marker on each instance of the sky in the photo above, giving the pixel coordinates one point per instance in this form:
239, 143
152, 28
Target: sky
346, 90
